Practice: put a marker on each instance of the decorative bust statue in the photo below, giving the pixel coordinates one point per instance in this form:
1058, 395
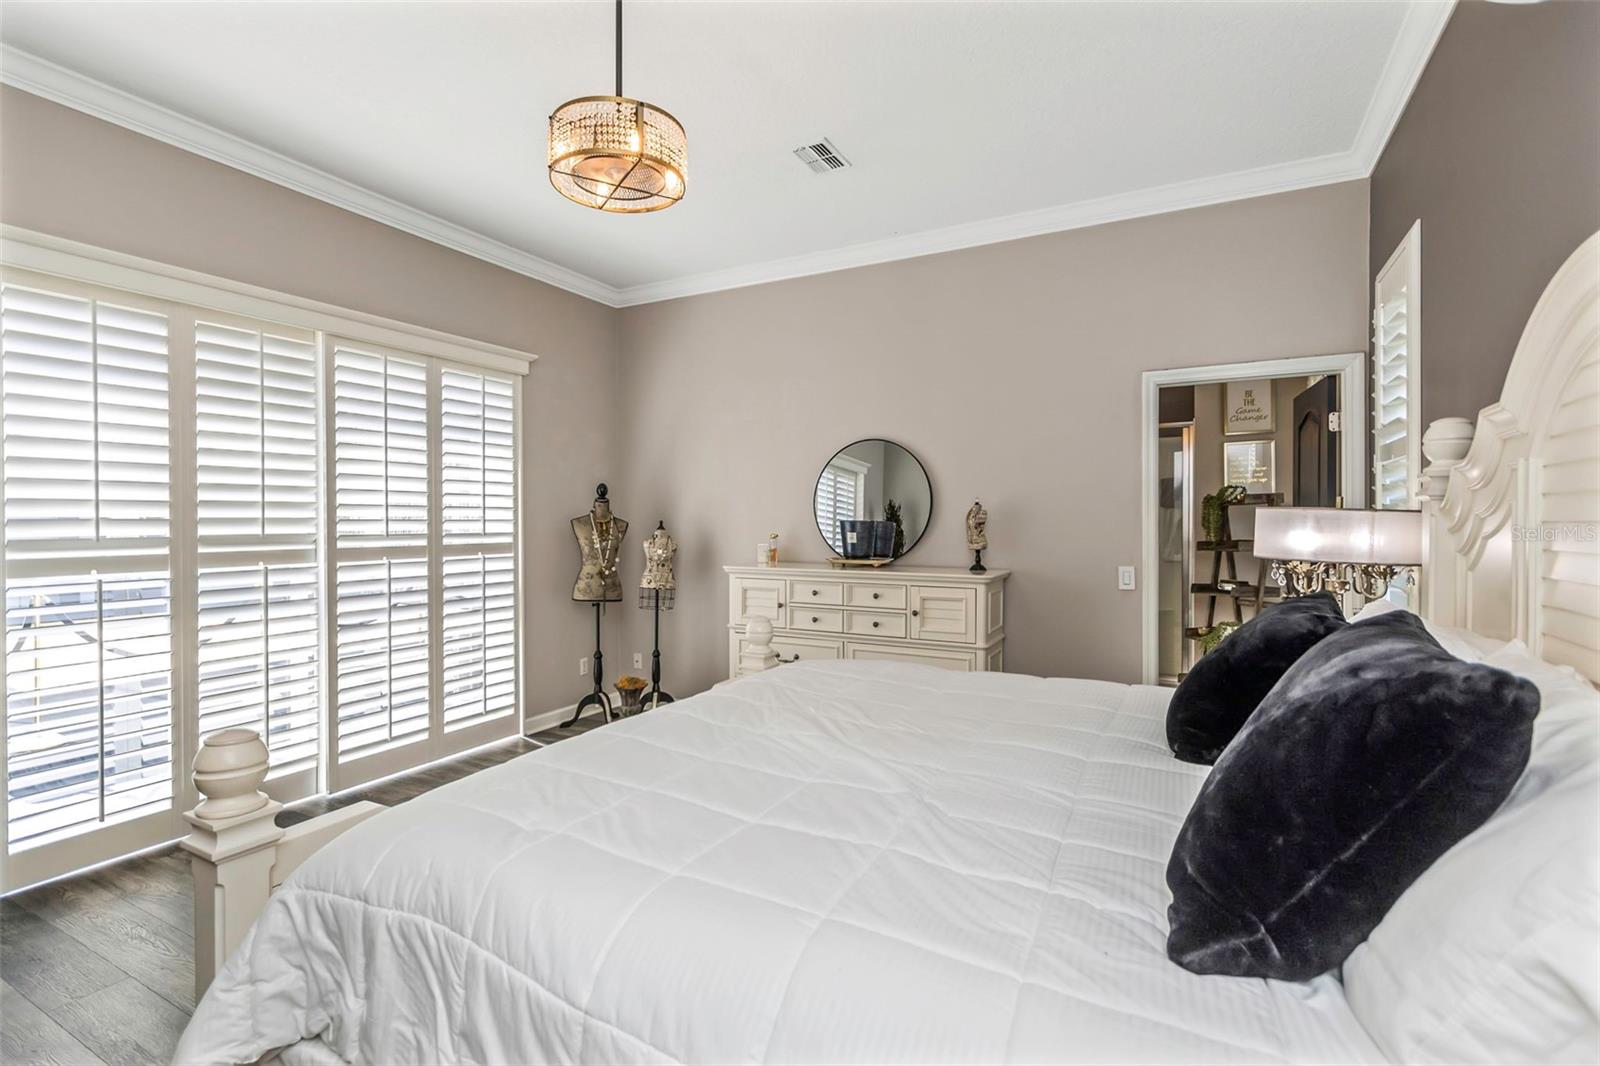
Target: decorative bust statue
977, 535
658, 551
599, 534
977, 521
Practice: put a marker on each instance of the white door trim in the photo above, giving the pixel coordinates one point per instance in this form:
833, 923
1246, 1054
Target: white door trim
1352, 370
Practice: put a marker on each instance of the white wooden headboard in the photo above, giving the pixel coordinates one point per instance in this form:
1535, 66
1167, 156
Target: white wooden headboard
1513, 520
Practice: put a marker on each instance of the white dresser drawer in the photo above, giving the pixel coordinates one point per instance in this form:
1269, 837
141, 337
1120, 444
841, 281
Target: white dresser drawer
793, 649
949, 660
821, 619
830, 593
944, 614
878, 597
875, 624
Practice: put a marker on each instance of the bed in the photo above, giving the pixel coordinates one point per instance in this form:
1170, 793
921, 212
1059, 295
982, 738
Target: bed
821, 863
856, 862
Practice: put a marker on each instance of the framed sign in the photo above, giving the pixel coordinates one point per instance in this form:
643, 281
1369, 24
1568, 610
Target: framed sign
1249, 463
1247, 407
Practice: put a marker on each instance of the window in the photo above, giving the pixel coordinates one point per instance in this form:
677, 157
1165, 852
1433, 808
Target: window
170, 473
839, 494
1396, 348
88, 665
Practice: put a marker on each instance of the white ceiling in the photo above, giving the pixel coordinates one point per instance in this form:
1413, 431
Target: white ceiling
964, 122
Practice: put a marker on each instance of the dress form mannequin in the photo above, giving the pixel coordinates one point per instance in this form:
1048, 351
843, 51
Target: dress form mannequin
657, 592
599, 534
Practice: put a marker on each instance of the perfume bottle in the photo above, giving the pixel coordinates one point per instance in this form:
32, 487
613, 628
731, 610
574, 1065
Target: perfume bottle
772, 549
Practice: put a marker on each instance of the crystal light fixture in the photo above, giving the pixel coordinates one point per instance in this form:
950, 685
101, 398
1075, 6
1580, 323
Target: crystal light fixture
616, 154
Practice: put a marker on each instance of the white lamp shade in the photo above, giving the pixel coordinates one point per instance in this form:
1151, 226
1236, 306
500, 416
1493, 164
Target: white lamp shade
1336, 535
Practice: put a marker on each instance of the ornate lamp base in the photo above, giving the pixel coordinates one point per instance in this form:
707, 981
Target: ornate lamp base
1368, 580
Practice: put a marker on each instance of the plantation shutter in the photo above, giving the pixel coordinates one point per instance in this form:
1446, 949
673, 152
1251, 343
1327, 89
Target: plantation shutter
479, 609
837, 498
256, 420
381, 578
88, 619
1396, 443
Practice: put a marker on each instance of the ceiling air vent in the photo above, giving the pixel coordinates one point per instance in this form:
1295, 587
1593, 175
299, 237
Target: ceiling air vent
822, 157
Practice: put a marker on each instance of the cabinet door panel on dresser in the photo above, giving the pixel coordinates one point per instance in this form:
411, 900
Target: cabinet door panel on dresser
758, 597
944, 614
939, 616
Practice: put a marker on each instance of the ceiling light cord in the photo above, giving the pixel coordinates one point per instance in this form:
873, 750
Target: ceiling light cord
619, 47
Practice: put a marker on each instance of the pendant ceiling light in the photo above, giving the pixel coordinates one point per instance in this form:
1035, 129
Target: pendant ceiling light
616, 154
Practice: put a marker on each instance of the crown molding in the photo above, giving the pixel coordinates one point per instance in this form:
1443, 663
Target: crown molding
1240, 185
1419, 32
40, 77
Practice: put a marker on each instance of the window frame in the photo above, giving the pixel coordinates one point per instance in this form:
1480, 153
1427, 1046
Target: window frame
41, 261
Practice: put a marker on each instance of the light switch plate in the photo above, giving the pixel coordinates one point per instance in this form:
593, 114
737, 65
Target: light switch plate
1125, 582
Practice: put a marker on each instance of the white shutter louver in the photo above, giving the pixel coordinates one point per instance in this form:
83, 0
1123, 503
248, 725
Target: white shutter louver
836, 499
380, 411
476, 456
382, 624
88, 703
480, 653
1391, 412
256, 434
85, 420
1396, 439
258, 658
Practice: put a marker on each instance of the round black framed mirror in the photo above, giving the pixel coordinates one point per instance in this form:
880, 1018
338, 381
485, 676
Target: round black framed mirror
873, 500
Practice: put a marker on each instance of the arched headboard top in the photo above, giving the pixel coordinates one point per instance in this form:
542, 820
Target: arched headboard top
1514, 542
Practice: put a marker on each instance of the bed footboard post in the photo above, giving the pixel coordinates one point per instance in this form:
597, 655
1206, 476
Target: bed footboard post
232, 846
758, 654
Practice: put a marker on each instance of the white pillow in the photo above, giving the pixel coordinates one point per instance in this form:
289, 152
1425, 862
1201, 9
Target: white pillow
1493, 954
1464, 644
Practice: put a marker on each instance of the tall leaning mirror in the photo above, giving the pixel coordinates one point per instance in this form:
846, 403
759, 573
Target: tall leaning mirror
872, 502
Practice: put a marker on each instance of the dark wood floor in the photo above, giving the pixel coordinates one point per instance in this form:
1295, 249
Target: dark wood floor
99, 968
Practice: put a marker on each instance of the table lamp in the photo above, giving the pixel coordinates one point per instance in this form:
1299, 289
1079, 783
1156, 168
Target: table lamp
1337, 550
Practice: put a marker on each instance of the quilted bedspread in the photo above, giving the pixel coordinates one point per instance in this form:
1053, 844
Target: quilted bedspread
830, 862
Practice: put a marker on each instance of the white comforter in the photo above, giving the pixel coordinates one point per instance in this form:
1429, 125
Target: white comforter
839, 862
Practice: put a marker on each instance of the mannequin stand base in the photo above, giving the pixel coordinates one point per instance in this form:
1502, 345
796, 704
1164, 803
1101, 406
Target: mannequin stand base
593, 699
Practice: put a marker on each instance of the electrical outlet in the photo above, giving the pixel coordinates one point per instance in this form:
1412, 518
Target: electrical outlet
1125, 578
638, 660
583, 666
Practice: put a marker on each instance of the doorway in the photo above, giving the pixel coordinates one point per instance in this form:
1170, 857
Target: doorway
1222, 443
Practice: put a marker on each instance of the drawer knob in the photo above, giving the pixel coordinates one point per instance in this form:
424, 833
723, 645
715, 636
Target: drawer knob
913, 614
813, 592
874, 595
874, 625
780, 606
815, 619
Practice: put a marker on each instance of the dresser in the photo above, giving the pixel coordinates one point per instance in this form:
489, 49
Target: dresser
940, 616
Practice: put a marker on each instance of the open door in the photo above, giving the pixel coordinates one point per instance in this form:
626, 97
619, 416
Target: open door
1316, 445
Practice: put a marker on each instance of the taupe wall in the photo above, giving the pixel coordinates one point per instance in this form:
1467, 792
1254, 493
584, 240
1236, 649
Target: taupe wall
1012, 370
64, 173
1498, 152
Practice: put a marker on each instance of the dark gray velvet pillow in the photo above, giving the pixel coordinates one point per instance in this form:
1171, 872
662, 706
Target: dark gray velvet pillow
1374, 755
1225, 686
